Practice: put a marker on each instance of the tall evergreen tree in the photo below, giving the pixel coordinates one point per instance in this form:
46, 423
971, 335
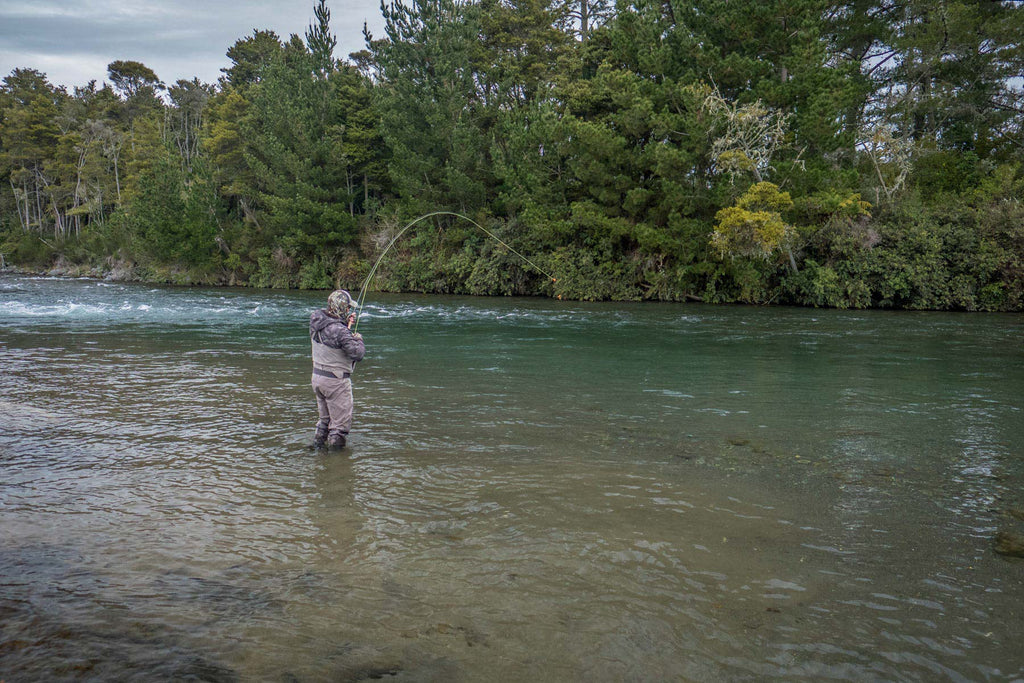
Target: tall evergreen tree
293, 134
320, 41
430, 105
249, 57
189, 100
29, 107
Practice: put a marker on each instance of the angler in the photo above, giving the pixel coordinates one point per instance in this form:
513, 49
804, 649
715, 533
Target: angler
336, 350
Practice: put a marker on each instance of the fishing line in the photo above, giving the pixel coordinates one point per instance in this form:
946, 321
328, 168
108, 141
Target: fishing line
373, 271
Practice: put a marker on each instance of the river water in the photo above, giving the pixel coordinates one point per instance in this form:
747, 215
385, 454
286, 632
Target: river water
533, 491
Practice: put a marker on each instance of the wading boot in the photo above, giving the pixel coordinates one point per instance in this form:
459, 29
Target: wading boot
335, 439
320, 438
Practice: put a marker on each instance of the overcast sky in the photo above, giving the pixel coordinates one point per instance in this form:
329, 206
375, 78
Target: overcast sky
72, 41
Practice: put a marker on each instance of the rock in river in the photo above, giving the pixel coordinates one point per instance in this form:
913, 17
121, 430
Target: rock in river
1009, 543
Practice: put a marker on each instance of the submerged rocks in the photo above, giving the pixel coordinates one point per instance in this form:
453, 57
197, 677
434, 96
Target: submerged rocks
1009, 543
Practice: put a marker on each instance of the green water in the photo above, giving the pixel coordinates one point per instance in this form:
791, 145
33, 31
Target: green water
534, 490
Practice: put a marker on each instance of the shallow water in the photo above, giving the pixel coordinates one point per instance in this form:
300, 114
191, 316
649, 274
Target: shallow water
534, 490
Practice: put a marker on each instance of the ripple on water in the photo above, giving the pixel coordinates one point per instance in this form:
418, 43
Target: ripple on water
708, 504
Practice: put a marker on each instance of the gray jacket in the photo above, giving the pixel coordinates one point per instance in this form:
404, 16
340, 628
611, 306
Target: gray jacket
326, 330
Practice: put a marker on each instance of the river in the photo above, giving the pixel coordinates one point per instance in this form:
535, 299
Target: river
534, 490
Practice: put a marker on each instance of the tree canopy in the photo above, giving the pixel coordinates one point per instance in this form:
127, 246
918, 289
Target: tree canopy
847, 153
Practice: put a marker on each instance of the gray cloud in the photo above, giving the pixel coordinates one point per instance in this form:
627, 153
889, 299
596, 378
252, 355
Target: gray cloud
72, 41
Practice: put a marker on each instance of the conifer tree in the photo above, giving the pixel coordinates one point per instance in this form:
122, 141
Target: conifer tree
320, 41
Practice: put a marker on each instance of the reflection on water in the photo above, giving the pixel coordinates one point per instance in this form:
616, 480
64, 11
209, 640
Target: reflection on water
535, 490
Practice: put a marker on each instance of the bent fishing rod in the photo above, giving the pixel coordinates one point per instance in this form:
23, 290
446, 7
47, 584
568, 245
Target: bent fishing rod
366, 283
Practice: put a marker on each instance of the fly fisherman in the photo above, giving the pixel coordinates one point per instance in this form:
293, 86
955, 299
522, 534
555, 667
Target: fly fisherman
336, 350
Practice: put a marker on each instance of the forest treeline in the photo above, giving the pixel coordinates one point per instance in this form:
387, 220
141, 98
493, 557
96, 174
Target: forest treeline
865, 153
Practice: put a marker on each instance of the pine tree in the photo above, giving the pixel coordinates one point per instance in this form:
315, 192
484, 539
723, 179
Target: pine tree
249, 57
320, 41
432, 110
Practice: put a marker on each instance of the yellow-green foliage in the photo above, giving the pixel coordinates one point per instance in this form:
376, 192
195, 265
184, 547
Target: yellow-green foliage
735, 161
754, 226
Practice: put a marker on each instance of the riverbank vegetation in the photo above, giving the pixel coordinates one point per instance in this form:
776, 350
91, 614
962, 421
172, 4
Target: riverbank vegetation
845, 154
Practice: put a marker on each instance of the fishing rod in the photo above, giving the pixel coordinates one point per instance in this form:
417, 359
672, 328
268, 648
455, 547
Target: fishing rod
373, 271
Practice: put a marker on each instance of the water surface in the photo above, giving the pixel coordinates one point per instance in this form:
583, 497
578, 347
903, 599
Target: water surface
534, 490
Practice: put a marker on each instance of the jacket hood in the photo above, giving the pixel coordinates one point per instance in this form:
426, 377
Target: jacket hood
321, 319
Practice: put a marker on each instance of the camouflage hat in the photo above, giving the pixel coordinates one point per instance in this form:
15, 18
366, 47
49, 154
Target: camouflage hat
339, 302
